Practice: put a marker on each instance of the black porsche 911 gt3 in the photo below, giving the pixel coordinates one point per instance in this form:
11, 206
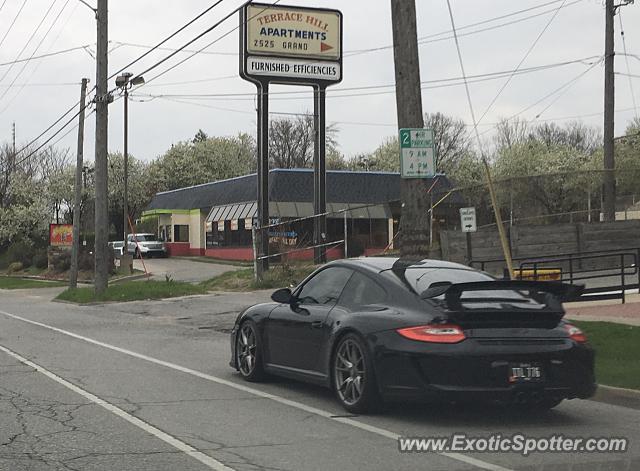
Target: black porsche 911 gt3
382, 329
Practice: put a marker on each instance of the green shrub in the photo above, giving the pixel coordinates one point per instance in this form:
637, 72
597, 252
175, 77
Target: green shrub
22, 252
14, 267
40, 259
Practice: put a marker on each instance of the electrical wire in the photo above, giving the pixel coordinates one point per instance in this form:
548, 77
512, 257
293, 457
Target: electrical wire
33, 33
425, 85
50, 54
171, 36
561, 89
77, 102
12, 22
524, 58
55, 20
466, 85
169, 49
626, 59
2, 6
433, 38
209, 44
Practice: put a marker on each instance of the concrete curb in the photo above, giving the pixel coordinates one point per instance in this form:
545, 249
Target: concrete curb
130, 278
617, 396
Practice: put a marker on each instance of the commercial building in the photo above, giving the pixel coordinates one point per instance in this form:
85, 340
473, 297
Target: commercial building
215, 219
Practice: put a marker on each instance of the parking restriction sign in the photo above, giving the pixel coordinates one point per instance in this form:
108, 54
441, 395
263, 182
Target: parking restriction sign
417, 153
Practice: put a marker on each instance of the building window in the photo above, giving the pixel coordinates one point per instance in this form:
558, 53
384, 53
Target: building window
181, 233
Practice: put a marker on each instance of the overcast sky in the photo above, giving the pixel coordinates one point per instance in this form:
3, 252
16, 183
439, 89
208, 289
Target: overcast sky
45, 88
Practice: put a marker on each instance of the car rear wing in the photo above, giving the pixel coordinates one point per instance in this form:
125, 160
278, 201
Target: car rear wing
538, 290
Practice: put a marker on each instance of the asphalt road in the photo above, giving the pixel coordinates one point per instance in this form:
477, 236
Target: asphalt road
182, 269
147, 386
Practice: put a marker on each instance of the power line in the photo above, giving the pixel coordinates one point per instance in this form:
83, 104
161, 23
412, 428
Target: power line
13, 22
172, 35
207, 45
144, 46
433, 38
29, 40
76, 103
562, 89
55, 20
466, 85
626, 59
524, 58
50, 54
425, 85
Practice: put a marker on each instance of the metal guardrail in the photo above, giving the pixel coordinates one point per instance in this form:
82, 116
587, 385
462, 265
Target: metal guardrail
624, 267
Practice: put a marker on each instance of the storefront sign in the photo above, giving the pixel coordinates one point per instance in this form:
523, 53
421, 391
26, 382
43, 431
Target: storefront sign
60, 235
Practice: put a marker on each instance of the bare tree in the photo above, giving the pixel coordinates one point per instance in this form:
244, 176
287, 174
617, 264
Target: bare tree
451, 139
510, 133
291, 142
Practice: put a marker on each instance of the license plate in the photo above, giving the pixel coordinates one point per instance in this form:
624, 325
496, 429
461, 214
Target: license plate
524, 372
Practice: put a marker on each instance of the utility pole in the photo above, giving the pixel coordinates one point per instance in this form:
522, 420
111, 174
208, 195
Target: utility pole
101, 168
609, 178
414, 223
77, 201
125, 202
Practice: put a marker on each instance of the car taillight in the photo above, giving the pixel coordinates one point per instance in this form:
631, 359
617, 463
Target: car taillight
435, 333
575, 333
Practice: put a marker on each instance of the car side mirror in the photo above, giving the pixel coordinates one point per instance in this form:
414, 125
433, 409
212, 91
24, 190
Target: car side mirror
282, 296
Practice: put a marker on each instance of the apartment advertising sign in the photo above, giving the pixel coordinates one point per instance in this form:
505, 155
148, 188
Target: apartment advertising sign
287, 44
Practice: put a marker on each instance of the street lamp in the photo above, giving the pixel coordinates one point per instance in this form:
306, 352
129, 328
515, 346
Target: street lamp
125, 82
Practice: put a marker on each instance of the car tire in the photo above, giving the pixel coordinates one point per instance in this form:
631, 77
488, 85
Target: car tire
248, 352
353, 377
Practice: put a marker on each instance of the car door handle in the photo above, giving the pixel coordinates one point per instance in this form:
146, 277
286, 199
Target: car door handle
316, 324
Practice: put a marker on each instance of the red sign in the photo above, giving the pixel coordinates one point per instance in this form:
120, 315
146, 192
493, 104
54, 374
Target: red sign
61, 235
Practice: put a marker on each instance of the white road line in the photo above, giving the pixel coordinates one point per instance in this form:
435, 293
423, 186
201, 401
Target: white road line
165, 437
256, 392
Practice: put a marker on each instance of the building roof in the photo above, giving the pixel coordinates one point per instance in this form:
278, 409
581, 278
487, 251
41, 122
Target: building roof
293, 185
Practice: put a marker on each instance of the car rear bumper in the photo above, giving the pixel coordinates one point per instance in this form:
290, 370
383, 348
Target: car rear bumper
473, 371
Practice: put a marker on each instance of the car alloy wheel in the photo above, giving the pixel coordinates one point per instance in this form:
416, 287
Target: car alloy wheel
353, 375
248, 351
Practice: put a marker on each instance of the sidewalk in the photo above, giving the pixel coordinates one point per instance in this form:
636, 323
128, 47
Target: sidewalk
607, 311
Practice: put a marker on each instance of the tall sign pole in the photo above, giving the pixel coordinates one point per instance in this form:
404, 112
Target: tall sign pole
263, 176
77, 201
292, 46
414, 221
102, 102
320, 174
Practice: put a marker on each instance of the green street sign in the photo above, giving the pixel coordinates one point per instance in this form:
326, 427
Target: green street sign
417, 153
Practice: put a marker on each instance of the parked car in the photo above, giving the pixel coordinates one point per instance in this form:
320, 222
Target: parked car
376, 329
117, 247
148, 245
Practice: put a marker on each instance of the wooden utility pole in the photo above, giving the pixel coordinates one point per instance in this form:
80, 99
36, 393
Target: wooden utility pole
102, 102
77, 201
608, 177
414, 223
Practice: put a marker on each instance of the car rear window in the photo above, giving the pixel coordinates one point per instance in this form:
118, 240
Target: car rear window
421, 278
